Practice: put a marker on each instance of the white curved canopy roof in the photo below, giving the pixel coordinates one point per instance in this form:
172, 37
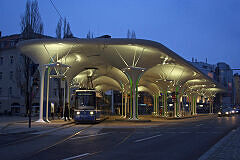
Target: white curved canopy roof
164, 68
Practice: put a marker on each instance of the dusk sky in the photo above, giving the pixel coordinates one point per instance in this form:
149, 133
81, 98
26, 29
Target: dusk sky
192, 28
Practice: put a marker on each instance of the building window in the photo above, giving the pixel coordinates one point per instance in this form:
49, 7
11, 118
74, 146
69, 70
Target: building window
1, 75
10, 90
11, 59
11, 75
1, 60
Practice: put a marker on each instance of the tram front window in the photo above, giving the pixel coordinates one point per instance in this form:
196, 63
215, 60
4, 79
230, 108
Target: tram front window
86, 100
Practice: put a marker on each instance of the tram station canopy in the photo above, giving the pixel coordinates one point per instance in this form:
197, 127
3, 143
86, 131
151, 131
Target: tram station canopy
106, 60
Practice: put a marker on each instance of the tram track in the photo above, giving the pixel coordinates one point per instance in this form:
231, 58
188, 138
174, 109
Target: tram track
58, 142
123, 140
87, 155
21, 140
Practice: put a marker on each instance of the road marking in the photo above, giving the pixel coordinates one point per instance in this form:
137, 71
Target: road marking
94, 135
140, 140
78, 156
199, 125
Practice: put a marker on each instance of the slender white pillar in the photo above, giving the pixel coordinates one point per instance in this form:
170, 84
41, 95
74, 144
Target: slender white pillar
64, 96
122, 102
154, 105
157, 104
126, 99
134, 75
68, 93
112, 104
48, 71
68, 97
128, 106
42, 75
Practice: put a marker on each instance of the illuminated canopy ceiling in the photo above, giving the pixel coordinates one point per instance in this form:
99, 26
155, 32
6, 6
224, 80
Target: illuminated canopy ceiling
104, 59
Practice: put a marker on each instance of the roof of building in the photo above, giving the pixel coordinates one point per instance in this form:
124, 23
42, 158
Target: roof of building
164, 69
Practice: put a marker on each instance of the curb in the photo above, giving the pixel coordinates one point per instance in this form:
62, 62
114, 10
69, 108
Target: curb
214, 148
135, 121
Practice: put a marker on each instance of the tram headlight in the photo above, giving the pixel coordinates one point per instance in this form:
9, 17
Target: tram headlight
91, 112
78, 112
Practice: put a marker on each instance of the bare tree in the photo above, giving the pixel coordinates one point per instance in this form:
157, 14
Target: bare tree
59, 29
88, 35
128, 33
64, 27
65, 31
68, 32
31, 26
133, 35
31, 19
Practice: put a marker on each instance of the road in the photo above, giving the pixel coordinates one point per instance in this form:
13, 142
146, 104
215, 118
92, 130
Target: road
170, 140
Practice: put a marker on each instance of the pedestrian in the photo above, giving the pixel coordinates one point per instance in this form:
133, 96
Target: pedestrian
52, 111
66, 112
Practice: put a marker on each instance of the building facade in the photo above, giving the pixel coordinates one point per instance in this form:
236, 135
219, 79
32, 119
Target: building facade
12, 93
222, 73
237, 89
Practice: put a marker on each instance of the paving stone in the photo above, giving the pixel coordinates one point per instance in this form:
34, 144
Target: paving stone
227, 148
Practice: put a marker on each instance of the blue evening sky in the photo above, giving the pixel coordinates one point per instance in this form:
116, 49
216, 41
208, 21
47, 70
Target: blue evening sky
192, 28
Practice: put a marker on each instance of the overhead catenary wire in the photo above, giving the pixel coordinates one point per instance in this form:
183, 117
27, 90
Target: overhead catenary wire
58, 12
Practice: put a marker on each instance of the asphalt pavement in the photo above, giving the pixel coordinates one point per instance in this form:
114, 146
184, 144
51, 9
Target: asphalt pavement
181, 139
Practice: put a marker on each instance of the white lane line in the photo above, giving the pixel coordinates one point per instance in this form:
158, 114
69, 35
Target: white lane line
140, 140
94, 135
78, 156
199, 125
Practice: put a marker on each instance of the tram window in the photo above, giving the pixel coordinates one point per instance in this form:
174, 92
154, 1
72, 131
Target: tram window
84, 99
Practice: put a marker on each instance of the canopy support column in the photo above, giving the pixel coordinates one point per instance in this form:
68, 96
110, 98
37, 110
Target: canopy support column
42, 70
134, 75
68, 97
154, 105
126, 99
112, 103
157, 102
47, 100
122, 101
164, 104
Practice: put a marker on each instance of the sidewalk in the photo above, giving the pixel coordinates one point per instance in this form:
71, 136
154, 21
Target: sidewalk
19, 125
228, 148
151, 118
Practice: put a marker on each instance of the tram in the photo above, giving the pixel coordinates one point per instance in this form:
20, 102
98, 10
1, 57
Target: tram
85, 107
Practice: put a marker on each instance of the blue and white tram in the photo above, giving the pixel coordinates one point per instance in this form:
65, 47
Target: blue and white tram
85, 107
